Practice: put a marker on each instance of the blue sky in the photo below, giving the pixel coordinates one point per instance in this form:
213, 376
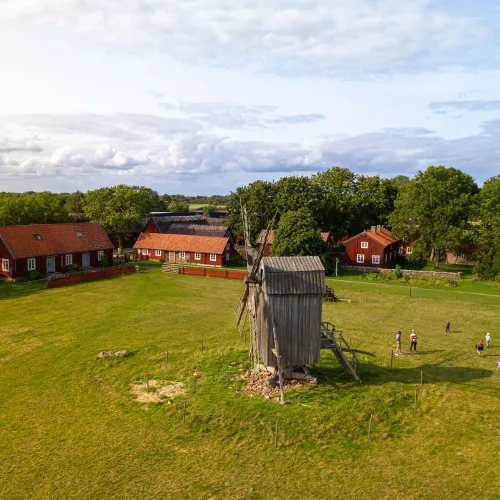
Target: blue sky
202, 96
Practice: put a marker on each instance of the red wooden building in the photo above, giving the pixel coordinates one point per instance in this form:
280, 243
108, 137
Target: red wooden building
375, 247
51, 248
185, 249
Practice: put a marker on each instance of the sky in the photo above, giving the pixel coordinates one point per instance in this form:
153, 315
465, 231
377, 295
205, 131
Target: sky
203, 96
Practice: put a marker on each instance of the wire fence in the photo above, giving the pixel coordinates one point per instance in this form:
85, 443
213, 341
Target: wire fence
345, 288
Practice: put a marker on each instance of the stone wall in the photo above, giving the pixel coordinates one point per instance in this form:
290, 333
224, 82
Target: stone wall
406, 272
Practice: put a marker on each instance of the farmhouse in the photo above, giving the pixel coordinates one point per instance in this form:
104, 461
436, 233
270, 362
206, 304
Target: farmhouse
270, 240
375, 247
51, 248
185, 249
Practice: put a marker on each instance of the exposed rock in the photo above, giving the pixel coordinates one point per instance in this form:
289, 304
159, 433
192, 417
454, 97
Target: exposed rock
105, 354
110, 354
122, 353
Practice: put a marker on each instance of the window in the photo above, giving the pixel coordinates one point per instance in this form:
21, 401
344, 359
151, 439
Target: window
6, 265
197, 256
228, 246
78, 234
68, 259
400, 250
409, 250
100, 255
463, 256
37, 237
145, 251
360, 259
31, 264
158, 253
364, 244
213, 257
375, 259
385, 258
182, 255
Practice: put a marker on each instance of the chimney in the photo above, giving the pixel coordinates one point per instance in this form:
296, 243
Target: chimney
379, 227
373, 229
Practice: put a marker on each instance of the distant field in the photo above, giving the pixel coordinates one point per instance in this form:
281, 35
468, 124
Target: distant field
198, 206
70, 427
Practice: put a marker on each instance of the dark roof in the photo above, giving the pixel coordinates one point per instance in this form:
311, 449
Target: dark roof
198, 229
293, 275
53, 239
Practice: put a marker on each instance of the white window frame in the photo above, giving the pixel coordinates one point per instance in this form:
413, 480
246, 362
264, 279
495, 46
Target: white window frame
409, 250
197, 256
360, 258
400, 250
6, 265
68, 259
158, 253
145, 251
182, 255
32, 264
100, 255
213, 257
375, 259
364, 244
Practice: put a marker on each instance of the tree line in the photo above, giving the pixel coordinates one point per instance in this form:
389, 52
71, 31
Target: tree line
441, 209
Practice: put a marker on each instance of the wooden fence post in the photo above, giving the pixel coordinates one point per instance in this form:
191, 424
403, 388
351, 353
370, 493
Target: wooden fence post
370, 427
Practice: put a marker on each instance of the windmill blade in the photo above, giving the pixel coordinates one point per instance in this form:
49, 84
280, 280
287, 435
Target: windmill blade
262, 248
248, 245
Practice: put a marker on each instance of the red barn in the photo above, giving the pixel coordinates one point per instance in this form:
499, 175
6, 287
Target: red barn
185, 249
51, 248
375, 247
405, 248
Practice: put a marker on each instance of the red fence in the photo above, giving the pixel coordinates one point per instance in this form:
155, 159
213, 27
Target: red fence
214, 273
92, 275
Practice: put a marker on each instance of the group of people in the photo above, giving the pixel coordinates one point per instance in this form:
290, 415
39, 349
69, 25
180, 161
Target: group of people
413, 342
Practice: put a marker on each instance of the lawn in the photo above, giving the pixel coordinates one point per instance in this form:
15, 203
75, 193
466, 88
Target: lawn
70, 428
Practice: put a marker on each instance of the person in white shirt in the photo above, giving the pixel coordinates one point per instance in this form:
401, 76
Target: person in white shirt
488, 340
398, 343
413, 341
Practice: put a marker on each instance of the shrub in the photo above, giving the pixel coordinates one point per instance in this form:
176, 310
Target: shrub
104, 262
74, 268
372, 276
398, 273
33, 275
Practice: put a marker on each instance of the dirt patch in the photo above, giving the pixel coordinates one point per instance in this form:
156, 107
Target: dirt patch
158, 391
261, 385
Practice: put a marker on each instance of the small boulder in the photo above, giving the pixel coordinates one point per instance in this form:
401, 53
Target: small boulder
121, 353
105, 354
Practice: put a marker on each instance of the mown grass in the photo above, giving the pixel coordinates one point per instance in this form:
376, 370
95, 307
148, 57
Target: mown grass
71, 429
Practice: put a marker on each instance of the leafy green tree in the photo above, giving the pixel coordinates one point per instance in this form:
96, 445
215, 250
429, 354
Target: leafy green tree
208, 209
435, 208
338, 188
259, 198
298, 234
178, 206
117, 208
74, 202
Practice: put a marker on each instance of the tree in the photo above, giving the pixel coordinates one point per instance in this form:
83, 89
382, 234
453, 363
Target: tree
298, 234
259, 198
74, 202
337, 187
178, 206
435, 209
208, 209
116, 208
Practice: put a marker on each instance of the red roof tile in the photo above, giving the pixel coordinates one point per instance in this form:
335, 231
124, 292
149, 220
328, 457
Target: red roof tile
382, 235
182, 243
262, 235
55, 239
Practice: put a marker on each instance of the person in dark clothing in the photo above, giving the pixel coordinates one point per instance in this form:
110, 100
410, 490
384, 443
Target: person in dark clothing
448, 326
480, 348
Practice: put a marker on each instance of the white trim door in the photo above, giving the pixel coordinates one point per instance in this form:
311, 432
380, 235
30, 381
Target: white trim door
171, 256
51, 264
85, 260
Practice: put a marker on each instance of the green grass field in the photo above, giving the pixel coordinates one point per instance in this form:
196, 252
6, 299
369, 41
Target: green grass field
70, 427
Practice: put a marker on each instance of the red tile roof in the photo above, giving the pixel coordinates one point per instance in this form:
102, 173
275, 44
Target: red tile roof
382, 235
182, 243
262, 235
55, 239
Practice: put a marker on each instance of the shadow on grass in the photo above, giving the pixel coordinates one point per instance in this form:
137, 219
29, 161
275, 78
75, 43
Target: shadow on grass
378, 375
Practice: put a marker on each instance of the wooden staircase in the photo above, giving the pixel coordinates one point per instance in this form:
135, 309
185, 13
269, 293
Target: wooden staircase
333, 340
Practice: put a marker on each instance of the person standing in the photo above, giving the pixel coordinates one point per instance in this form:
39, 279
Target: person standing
448, 326
413, 341
488, 340
480, 348
398, 343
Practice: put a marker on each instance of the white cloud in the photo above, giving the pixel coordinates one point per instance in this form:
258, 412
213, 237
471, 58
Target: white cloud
361, 36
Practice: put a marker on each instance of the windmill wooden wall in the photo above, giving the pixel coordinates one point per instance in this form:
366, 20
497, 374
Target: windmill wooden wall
291, 292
